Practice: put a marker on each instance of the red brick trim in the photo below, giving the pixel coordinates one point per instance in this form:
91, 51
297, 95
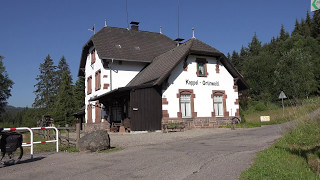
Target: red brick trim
185, 66
235, 87
237, 101
89, 85
98, 112
203, 60
89, 113
165, 101
93, 56
220, 92
217, 69
165, 113
237, 113
187, 91
106, 86
98, 80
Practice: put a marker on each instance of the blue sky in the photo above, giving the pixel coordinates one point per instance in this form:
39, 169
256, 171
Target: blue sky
32, 29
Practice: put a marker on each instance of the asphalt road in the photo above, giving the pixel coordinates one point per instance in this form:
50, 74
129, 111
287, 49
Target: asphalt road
213, 156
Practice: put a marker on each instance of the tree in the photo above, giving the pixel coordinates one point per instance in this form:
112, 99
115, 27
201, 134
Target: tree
61, 68
254, 46
294, 75
46, 87
5, 86
235, 59
79, 93
315, 25
64, 107
283, 34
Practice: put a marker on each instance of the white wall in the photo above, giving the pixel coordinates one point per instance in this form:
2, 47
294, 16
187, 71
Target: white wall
203, 103
122, 74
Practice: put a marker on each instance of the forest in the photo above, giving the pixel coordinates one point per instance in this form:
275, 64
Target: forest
289, 63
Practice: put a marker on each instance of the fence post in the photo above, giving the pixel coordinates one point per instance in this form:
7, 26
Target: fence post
77, 133
67, 134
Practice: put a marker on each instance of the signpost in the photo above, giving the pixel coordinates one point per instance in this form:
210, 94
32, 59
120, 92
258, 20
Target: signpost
315, 5
282, 96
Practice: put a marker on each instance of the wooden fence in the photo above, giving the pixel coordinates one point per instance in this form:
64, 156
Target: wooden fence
65, 140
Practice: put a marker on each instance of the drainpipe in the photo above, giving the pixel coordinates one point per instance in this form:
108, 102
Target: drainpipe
111, 74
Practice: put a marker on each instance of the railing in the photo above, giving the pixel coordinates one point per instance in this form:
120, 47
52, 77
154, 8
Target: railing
56, 137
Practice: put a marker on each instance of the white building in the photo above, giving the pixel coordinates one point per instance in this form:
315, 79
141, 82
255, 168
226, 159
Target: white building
146, 79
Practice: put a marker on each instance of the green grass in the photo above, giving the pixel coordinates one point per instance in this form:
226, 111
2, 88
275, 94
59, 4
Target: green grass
294, 156
291, 112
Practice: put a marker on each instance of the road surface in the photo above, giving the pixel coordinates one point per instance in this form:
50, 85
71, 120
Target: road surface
221, 155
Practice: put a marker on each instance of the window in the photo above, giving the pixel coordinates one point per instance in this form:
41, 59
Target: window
98, 80
202, 67
185, 105
89, 84
218, 105
93, 56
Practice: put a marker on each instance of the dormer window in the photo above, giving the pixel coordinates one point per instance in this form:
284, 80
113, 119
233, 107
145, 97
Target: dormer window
202, 67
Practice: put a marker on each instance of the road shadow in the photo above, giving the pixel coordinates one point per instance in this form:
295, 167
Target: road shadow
23, 161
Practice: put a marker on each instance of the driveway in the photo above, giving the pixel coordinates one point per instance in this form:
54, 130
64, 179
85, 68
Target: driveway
194, 154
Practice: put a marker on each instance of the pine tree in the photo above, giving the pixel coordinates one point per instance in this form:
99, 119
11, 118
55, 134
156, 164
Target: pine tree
79, 93
229, 56
46, 87
254, 46
235, 59
62, 67
5, 86
297, 29
315, 25
283, 34
64, 107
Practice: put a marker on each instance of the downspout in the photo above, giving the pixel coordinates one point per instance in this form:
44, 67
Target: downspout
111, 74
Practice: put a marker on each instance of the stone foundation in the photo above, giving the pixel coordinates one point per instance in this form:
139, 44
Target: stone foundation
199, 122
89, 127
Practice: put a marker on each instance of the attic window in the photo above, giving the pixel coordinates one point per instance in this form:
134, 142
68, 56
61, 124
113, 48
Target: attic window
118, 46
137, 48
202, 67
93, 56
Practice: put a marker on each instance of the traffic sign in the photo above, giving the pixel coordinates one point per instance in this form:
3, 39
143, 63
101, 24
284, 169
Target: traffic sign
315, 5
282, 95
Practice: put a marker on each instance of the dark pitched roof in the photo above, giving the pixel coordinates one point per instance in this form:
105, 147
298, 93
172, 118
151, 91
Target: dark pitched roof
123, 44
162, 65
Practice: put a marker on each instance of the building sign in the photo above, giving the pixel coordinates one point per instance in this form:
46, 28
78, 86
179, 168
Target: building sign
264, 118
204, 83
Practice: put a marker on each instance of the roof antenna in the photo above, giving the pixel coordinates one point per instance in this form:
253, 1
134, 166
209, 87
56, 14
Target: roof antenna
93, 29
160, 29
178, 40
127, 14
105, 22
193, 33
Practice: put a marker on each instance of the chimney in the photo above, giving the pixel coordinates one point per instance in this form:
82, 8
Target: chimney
134, 26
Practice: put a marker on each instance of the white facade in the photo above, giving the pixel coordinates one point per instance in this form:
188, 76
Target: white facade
116, 74
202, 88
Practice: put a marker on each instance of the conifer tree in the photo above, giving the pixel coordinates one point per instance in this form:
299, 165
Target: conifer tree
315, 25
5, 86
297, 29
235, 59
64, 106
46, 87
283, 34
79, 93
254, 46
61, 68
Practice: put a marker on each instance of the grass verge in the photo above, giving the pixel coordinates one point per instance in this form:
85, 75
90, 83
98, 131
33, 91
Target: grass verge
294, 156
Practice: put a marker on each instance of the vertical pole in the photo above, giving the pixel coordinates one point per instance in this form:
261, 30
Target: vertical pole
282, 107
67, 134
77, 133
